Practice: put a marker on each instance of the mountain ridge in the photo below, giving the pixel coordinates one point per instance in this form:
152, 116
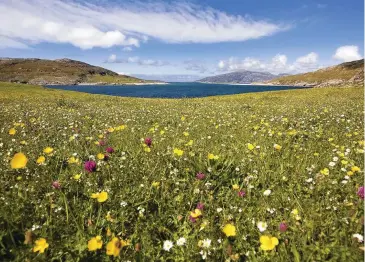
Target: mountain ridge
239, 77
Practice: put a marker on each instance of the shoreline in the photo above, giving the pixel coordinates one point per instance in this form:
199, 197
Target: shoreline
109, 84
253, 84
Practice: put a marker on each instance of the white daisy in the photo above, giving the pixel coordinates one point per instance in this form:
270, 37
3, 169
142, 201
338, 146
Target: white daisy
206, 243
262, 226
360, 238
309, 180
267, 192
167, 245
332, 164
181, 241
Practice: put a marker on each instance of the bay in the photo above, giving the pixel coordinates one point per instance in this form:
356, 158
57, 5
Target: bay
172, 90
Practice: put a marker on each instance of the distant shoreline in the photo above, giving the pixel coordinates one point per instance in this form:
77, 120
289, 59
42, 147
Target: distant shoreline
110, 84
252, 84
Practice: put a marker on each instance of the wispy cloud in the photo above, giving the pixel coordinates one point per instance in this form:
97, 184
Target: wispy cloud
321, 6
307, 60
196, 66
127, 49
84, 25
113, 59
6, 42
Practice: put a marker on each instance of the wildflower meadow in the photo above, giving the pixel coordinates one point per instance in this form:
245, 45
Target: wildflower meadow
274, 176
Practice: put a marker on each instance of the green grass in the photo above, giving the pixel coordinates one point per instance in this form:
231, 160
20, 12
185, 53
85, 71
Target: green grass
313, 126
64, 71
343, 72
114, 79
318, 77
313, 77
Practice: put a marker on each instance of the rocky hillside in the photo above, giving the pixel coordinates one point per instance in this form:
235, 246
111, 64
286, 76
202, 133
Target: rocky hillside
58, 72
349, 73
239, 77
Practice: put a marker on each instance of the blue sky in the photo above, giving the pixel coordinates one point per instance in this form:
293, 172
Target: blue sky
190, 37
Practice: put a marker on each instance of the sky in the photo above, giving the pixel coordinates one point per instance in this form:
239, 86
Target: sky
205, 37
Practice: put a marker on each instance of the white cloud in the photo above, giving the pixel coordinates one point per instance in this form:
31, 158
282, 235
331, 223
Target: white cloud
133, 59
136, 60
277, 65
87, 25
32, 23
311, 58
279, 60
347, 53
124, 73
127, 49
112, 58
221, 64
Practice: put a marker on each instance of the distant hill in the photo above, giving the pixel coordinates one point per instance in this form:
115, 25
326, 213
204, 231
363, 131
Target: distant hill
349, 73
58, 72
239, 77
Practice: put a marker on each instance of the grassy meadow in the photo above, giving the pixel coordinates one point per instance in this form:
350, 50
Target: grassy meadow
272, 176
343, 72
120, 79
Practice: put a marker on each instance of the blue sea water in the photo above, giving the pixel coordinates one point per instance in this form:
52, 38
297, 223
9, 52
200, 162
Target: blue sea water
173, 90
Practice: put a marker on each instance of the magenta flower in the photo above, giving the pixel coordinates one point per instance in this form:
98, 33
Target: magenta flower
102, 143
200, 176
360, 192
56, 185
90, 166
200, 206
241, 193
148, 141
283, 227
110, 150
193, 220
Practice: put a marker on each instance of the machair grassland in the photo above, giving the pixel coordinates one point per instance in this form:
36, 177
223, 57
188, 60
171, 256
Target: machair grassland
273, 176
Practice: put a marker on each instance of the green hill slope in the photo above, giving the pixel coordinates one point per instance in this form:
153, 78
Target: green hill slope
61, 71
350, 73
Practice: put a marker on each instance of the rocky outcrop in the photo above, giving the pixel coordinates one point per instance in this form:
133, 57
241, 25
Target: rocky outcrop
358, 78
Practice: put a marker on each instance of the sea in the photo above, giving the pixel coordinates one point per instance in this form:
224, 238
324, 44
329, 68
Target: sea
172, 90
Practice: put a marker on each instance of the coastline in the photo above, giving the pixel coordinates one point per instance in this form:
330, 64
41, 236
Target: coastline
108, 84
254, 84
